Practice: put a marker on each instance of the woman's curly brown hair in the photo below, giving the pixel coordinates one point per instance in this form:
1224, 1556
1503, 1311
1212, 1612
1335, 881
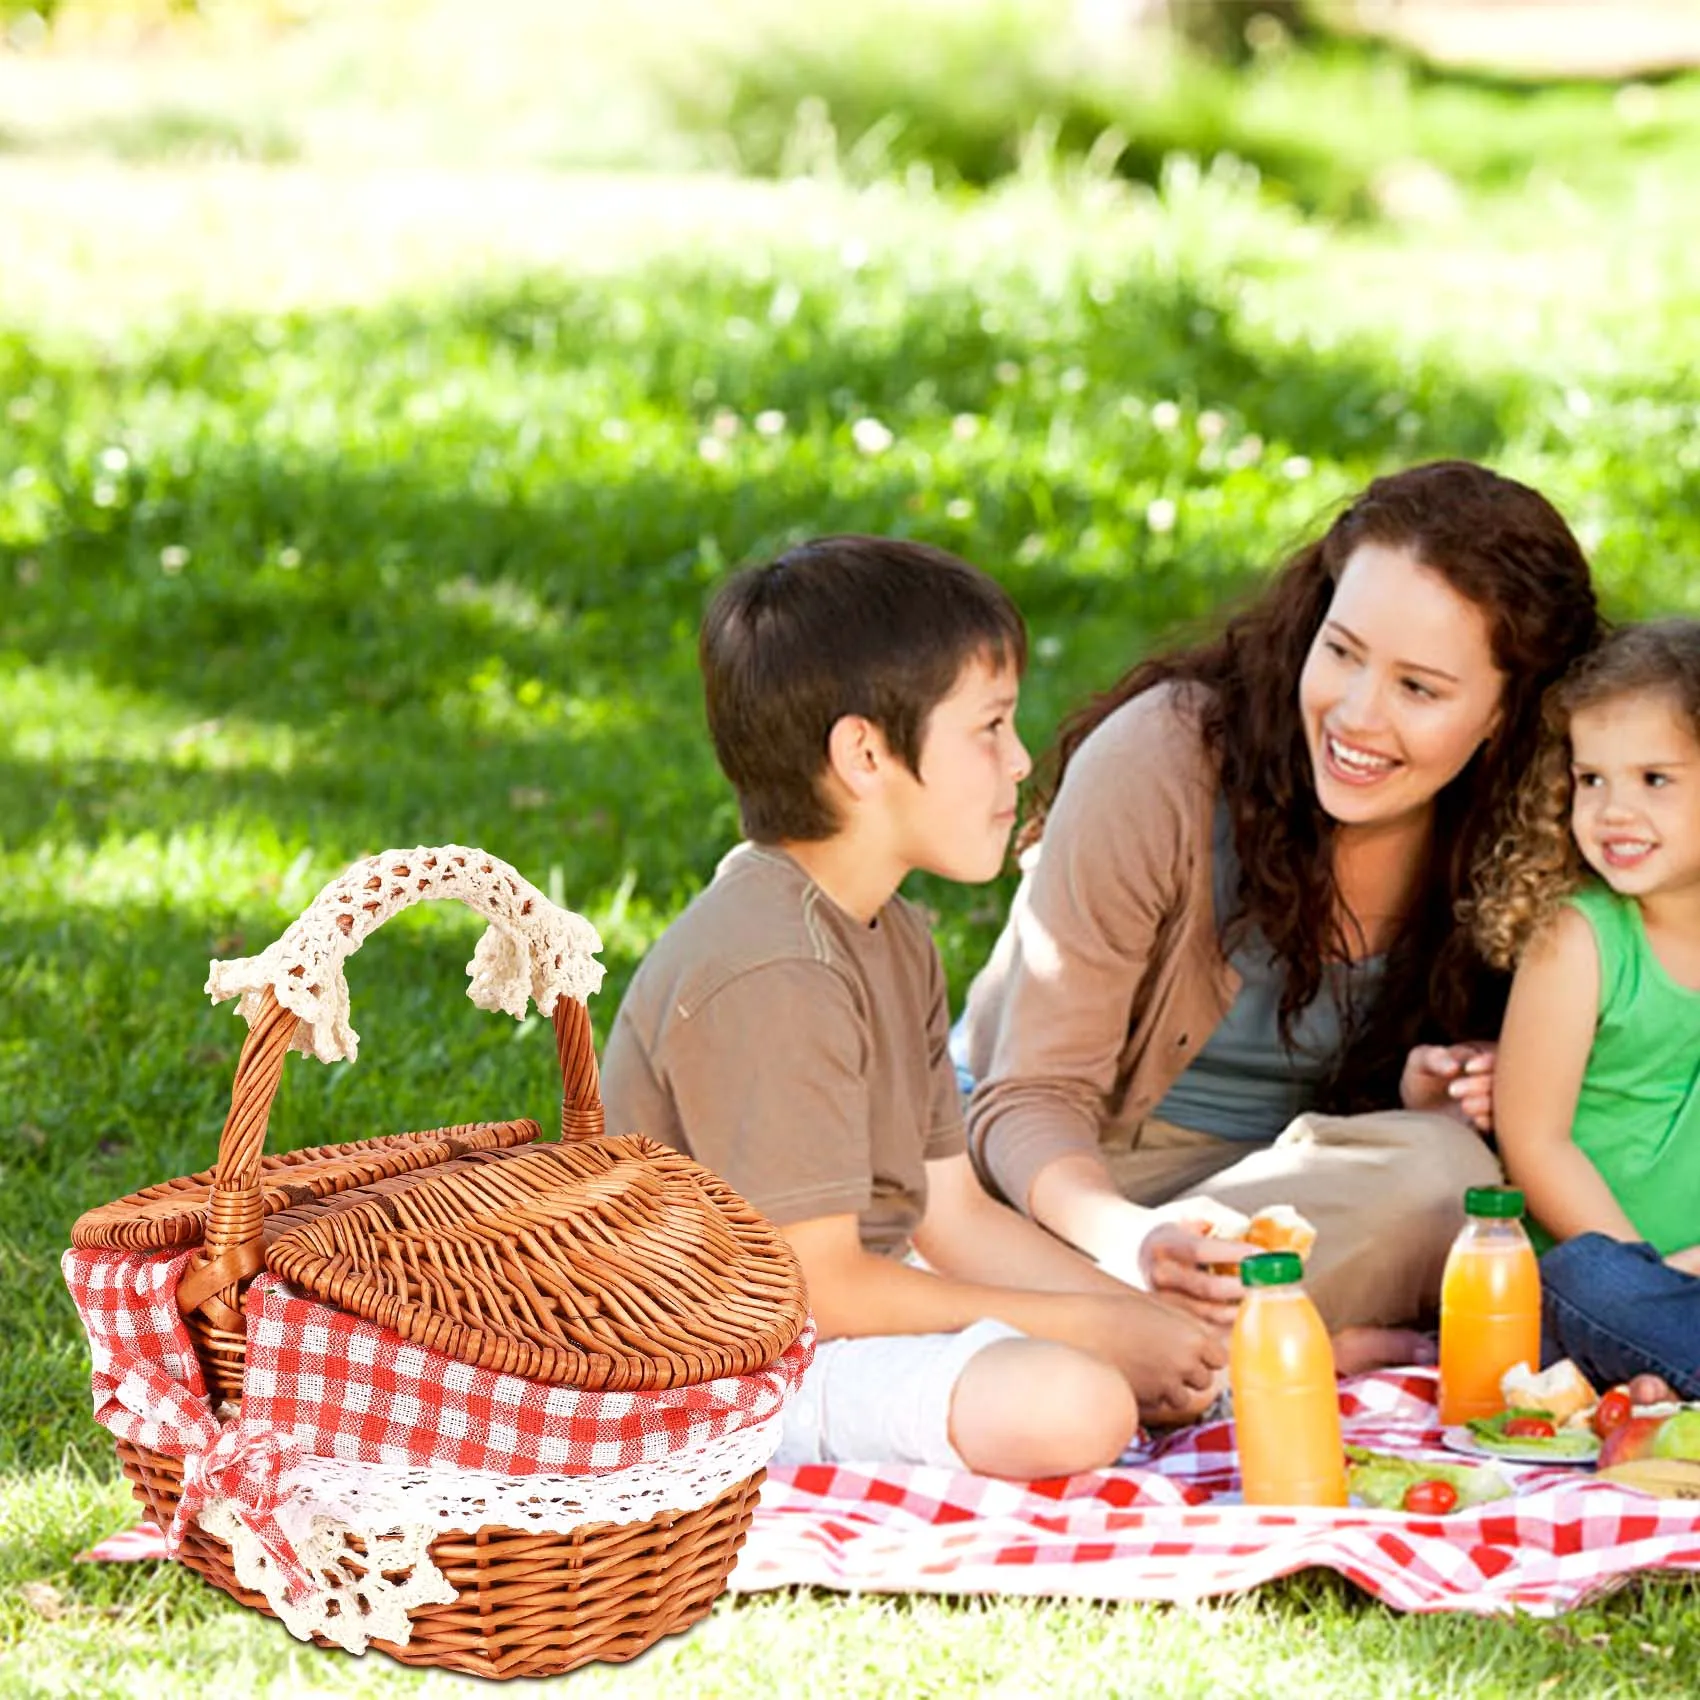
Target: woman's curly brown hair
1505, 548
1536, 865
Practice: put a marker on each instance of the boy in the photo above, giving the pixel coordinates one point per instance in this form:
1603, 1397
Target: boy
790, 1029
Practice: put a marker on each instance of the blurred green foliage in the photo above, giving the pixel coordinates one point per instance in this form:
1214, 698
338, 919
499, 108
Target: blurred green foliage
1324, 123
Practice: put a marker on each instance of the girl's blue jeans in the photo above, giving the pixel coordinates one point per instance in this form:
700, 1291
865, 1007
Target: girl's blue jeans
1619, 1310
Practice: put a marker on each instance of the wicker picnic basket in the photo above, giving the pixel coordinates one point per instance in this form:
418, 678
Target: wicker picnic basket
598, 1263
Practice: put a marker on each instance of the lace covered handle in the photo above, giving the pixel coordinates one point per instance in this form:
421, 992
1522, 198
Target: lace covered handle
294, 997
532, 948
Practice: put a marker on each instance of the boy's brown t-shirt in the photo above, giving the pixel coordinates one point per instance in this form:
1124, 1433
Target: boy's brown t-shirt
800, 1054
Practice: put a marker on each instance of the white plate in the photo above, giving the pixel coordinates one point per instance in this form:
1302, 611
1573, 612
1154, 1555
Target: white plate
1459, 1439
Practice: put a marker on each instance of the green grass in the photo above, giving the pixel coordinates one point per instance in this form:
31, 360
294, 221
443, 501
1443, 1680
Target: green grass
295, 568
152, 1630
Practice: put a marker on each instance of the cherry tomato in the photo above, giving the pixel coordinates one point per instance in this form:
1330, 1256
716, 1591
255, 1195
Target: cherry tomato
1614, 1408
1529, 1428
1430, 1498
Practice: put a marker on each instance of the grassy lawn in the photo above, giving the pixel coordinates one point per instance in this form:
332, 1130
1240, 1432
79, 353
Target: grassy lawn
362, 489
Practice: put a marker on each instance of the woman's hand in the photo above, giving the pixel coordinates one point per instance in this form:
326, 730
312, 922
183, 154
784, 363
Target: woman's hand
1687, 1260
1179, 1263
1454, 1079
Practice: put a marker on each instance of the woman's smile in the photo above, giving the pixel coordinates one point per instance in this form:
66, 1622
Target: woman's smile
1354, 764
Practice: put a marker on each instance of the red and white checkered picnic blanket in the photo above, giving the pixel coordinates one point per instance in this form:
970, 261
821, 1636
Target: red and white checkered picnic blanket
1166, 1525
322, 1383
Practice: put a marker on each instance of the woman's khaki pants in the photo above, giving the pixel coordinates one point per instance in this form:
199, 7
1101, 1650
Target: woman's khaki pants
1385, 1193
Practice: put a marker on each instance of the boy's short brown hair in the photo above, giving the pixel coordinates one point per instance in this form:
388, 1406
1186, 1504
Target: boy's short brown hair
870, 626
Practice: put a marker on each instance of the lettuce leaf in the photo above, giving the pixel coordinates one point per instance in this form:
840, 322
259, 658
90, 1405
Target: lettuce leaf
1381, 1479
1566, 1443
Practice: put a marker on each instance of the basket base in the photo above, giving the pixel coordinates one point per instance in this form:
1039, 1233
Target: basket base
529, 1604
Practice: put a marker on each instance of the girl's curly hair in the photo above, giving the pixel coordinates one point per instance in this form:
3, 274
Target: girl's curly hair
1536, 864
1505, 548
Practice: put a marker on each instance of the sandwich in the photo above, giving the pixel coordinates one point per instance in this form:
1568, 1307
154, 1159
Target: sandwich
1276, 1227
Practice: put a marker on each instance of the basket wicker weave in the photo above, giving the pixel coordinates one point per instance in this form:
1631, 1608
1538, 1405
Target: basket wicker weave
597, 1263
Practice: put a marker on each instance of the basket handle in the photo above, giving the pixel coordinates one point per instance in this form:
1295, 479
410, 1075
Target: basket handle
532, 949
304, 968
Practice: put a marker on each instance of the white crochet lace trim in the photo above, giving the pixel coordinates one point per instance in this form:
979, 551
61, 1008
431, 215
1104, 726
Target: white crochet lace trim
353, 1607
440, 1498
533, 947
397, 1510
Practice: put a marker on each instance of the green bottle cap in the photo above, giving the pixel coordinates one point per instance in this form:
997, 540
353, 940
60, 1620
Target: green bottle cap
1503, 1203
1272, 1269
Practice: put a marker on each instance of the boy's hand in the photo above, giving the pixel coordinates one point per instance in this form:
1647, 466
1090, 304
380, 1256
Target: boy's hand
1175, 1365
1454, 1079
1177, 1262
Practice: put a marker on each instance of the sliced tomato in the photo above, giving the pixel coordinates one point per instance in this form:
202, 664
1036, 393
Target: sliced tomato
1430, 1498
1614, 1408
1529, 1428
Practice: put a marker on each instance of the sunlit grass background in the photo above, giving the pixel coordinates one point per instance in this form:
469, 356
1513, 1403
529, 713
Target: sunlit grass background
382, 389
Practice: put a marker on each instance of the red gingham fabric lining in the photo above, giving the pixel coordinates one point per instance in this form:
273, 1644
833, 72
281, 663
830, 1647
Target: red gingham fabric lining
322, 1383
1164, 1525
349, 1389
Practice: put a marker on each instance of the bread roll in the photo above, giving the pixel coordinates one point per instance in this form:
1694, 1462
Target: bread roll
1276, 1227
1561, 1390
1280, 1227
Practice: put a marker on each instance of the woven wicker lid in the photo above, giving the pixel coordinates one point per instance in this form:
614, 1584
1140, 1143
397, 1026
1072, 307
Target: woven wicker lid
613, 1264
173, 1214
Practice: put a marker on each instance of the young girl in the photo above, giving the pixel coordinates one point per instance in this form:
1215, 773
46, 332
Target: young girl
1597, 899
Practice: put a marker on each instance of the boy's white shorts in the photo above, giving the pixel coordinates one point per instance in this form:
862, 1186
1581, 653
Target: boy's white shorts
883, 1399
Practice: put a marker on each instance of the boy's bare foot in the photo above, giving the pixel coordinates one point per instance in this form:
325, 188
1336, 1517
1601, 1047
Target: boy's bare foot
1165, 1413
1358, 1350
1651, 1390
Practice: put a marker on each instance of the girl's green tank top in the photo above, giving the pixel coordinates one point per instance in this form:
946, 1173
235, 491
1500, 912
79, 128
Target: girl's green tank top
1638, 1113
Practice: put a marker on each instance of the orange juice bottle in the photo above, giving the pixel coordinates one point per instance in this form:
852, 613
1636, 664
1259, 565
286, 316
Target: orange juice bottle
1286, 1408
1490, 1305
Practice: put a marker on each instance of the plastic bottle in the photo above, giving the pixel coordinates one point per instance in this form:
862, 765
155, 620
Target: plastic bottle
1286, 1407
1490, 1305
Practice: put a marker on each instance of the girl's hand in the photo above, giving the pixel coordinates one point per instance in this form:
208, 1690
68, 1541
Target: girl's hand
1455, 1079
1687, 1260
1178, 1264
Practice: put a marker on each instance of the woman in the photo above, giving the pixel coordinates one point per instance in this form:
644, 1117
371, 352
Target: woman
1237, 912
